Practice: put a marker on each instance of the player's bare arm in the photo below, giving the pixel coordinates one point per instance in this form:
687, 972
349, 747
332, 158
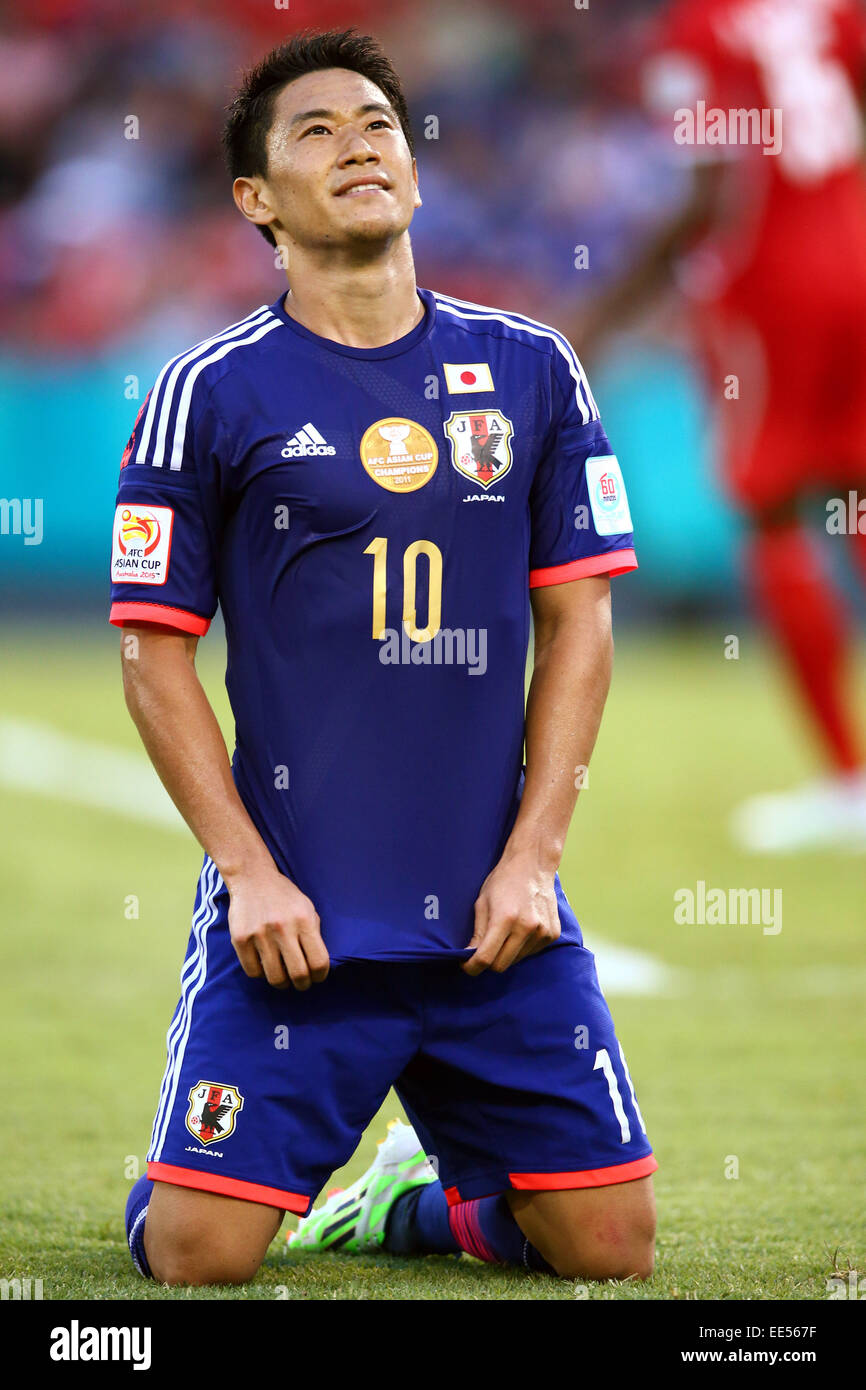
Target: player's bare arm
516, 912
274, 927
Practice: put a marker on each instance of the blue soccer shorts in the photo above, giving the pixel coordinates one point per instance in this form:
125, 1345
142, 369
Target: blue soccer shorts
513, 1080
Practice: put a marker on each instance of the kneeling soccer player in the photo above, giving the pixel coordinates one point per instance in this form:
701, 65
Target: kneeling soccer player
375, 483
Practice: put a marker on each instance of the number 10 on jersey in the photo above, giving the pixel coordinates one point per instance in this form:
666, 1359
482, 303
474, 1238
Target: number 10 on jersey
378, 548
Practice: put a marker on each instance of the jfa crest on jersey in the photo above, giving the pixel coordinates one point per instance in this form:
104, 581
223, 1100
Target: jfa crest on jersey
212, 1111
480, 444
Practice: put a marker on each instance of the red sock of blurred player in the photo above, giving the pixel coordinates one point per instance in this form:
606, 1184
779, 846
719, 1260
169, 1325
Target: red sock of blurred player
807, 616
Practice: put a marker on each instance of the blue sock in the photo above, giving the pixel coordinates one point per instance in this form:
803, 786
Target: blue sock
486, 1228
418, 1223
136, 1210
422, 1223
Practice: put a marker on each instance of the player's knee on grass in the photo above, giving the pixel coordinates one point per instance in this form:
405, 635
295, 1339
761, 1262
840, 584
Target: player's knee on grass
631, 1257
592, 1233
194, 1237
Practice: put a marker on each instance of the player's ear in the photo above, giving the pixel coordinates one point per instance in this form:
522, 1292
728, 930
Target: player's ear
417, 202
251, 198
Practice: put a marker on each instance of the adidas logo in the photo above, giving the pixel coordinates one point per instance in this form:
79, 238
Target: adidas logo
305, 442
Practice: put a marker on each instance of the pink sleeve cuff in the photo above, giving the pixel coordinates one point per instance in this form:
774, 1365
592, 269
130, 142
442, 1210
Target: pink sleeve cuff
159, 613
613, 562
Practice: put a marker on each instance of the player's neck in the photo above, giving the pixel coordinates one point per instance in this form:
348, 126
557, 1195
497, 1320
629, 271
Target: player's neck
363, 306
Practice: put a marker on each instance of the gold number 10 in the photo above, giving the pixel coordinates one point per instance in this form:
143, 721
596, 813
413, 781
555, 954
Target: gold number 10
378, 548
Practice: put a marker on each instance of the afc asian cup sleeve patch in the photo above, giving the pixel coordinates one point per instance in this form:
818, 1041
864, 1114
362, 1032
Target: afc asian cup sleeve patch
607, 496
141, 544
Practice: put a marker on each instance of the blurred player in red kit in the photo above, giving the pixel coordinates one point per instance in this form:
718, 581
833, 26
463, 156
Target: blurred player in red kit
763, 99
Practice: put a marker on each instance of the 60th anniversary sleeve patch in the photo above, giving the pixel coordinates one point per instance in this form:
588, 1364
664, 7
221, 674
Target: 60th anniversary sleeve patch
607, 496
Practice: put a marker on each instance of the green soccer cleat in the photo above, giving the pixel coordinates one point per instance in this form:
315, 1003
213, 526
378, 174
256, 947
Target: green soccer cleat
354, 1218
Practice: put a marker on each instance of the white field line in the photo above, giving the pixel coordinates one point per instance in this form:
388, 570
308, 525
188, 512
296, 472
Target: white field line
622, 970
37, 758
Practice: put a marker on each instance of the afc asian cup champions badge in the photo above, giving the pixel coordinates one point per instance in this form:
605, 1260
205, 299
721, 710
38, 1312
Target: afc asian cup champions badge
399, 454
212, 1111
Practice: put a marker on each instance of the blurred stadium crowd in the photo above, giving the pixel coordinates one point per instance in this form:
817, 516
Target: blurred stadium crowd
107, 241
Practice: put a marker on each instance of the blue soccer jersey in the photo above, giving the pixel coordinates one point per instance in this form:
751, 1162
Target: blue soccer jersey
370, 521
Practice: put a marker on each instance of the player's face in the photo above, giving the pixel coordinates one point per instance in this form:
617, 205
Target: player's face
339, 167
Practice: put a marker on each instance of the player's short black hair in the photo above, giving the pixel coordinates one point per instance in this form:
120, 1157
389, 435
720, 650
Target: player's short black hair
250, 115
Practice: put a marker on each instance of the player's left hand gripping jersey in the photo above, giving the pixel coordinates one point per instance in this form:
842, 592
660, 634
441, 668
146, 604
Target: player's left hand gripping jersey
370, 521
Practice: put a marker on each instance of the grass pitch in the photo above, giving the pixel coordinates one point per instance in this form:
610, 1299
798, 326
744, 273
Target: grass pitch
751, 1064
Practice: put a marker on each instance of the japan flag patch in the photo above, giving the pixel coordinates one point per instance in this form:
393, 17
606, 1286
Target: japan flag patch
607, 496
463, 377
141, 544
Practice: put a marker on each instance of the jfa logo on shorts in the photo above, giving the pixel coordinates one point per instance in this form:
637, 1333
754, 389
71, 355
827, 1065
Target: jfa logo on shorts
212, 1111
480, 444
